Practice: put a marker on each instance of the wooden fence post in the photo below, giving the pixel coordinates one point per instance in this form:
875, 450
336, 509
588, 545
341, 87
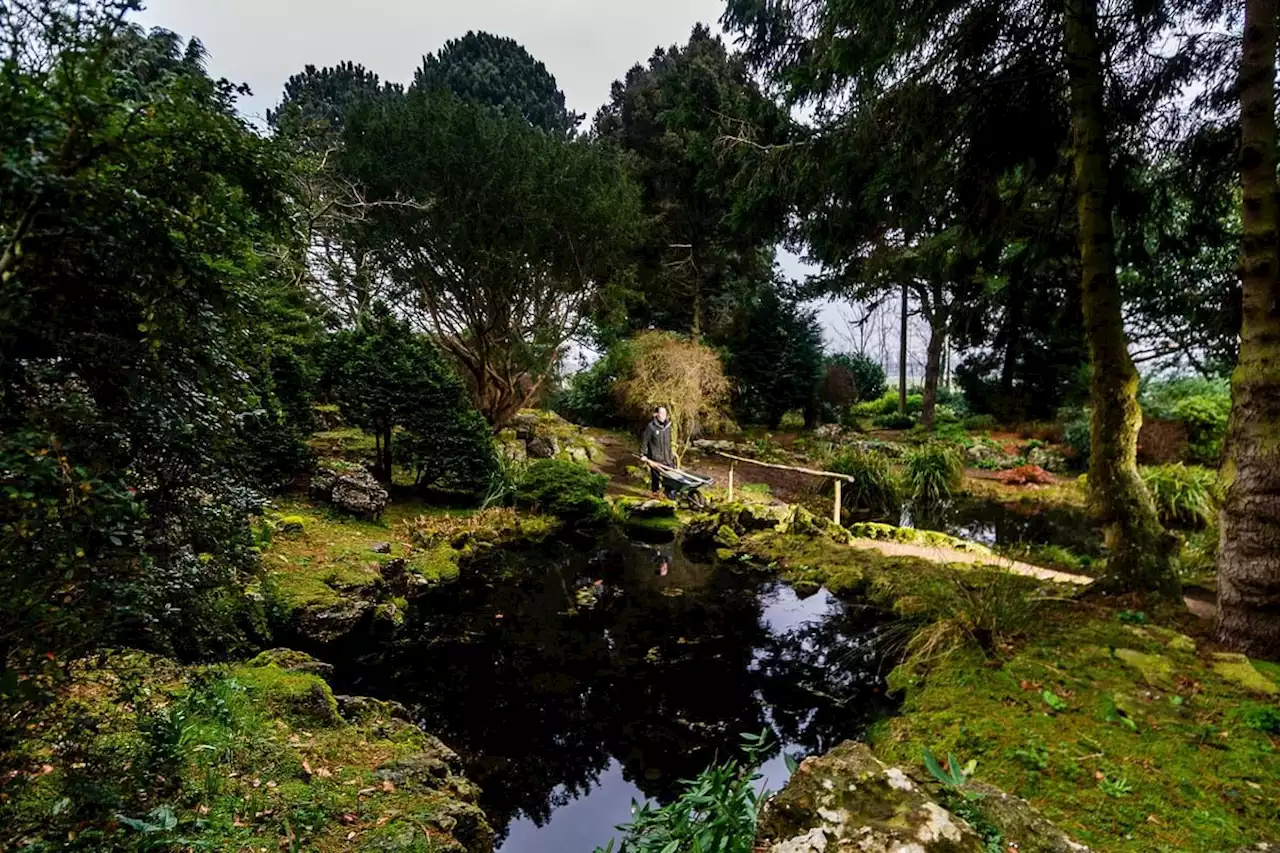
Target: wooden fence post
732, 465
835, 512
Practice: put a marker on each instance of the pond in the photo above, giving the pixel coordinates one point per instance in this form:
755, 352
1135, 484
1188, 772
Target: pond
1000, 525
568, 698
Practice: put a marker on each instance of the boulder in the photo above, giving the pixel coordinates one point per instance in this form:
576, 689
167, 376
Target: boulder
350, 490
542, 447
829, 432
326, 624
512, 446
361, 709
1238, 668
849, 800
1022, 827
525, 424
294, 661
380, 547
578, 455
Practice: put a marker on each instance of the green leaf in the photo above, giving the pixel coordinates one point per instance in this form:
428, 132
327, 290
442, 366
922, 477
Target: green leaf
1053, 700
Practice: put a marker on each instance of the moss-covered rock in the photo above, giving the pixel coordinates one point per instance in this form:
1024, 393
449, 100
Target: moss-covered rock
1155, 669
300, 697
293, 661
848, 800
1238, 668
910, 535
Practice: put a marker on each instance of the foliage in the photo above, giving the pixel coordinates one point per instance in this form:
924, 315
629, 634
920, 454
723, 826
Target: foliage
1076, 435
386, 378
1202, 404
711, 228
589, 398
1186, 495
887, 404
980, 608
137, 215
471, 201
1025, 475
564, 489
865, 379
894, 420
876, 486
952, 776
715, 813
687, 377
497, 72
934, 472
775, 356
980, 423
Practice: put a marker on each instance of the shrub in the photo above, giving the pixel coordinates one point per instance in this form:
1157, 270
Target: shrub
774, 354
1202, 404
934, 472
865, 375
887, 404
1076, 436
894, 421
1185, 495
979, 423
1025, 475
876, 486
589, 396
984, 608
564, 489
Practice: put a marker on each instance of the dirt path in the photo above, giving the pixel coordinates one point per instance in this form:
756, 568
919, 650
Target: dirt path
951, 555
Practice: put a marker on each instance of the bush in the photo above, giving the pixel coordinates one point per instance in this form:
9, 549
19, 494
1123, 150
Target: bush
887, 404
979, 423
564, 489
1185, 495
865, 376
1204, 405
589, 396
934, 472
1076, 436
894, 421
876, 486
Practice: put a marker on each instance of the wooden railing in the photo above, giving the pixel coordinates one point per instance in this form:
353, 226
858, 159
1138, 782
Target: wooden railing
836, 478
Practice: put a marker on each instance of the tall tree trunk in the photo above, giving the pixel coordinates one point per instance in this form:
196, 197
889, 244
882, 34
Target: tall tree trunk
1139, 549
933, 361
1249, 552
902, 356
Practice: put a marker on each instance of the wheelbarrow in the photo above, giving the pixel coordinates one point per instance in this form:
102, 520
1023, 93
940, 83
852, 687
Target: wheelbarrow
681, 486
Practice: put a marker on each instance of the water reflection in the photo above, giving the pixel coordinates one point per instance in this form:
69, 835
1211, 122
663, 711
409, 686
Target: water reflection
573, 679
995, 523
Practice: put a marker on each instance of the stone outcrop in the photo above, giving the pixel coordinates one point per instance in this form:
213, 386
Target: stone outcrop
848, 800
535, 434
350, 489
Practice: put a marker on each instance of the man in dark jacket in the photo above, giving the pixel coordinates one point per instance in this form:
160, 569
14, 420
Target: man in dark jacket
655, 445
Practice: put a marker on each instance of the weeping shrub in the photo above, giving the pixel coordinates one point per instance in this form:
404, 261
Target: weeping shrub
1186, 496
934, 472
876, 486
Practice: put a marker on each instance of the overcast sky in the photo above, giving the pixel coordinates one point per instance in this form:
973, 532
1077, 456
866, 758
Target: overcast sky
586, 44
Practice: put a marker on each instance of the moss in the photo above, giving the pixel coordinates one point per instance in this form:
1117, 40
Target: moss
1196, 781
436, 564
1155, 669
726, 536
243, 756
1237, 668
910, 535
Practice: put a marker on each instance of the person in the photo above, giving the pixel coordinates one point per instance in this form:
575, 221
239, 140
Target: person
655, 446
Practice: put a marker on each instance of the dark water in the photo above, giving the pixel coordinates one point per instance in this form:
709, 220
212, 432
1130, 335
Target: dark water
998, 524
565, 713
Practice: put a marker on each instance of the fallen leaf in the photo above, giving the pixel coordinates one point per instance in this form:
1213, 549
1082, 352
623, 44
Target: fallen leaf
351, 835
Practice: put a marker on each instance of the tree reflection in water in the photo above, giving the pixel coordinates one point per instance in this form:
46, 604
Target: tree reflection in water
538, 691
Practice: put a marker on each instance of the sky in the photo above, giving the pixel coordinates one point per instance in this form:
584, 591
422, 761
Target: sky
586, 44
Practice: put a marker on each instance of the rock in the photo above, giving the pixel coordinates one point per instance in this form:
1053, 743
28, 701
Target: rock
1262, 847
293, 661
511, 445
716, 444
579, 455
291, 526
980, 455
1237, 668
389, 614
1182, 643
465, 822
524, 425
805, 588
392, 571
858, 804
1019, 823
1048, 459
326, 624
427, 769
361, 709
542, 447
726, 536
352, 491
380, 547
1156, 670
829, 432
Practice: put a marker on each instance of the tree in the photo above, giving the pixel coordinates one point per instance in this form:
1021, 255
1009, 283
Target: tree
775, 357
503, 233
833, 54
863, 379
1248, 558
386, 378
709, 245
666, 369
137, 219
316, 100
492, 71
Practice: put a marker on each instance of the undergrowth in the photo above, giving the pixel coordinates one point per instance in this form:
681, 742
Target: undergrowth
934, 472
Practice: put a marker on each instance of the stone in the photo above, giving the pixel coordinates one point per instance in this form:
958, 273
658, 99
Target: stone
524, 425
859, 804
1237, 668
1182, 643
326, 624
579, 455
294, 661
726, 536
392, 571
542, 447
465, 822
353, 491
360, 709
291, 526
1022, 827
427, 769
380, 547
511, 445
388, 613
829, 432
1155, 670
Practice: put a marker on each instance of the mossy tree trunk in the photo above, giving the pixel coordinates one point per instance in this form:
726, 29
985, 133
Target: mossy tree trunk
1139, 549
1249, 553
933, 306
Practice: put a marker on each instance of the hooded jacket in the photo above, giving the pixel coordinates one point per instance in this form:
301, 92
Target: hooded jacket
655, 443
